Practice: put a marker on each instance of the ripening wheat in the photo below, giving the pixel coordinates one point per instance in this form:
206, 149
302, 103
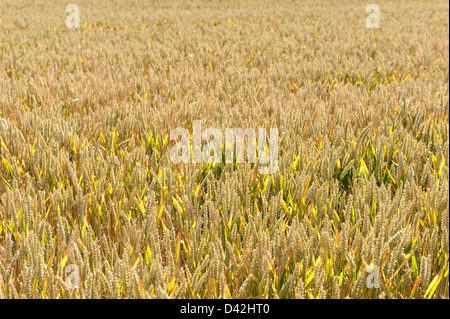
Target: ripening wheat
86, 178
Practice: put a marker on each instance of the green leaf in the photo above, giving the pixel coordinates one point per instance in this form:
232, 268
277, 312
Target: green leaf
414, 264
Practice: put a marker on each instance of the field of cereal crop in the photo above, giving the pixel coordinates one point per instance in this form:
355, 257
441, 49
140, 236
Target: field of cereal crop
93, 206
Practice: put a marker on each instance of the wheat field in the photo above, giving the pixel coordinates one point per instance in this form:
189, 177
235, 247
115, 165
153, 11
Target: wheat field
363, 163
